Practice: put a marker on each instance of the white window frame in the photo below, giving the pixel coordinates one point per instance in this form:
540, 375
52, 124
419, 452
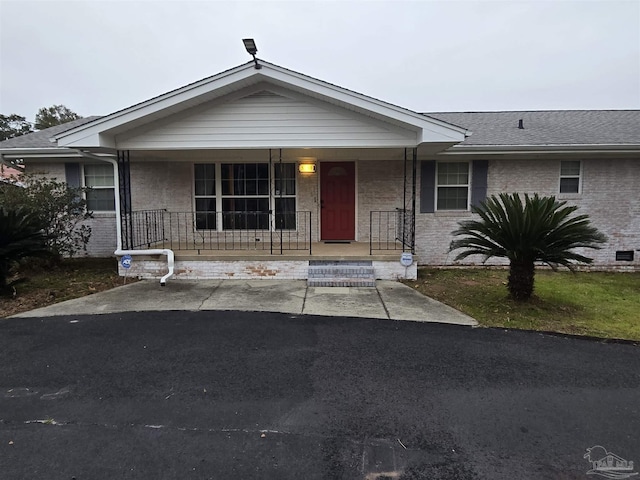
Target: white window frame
215, 196
276, 195
219, 197
578, 176
467, 185
257, 196
98, 187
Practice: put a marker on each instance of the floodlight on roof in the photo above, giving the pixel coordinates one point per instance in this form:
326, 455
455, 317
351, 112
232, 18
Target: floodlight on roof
250, 46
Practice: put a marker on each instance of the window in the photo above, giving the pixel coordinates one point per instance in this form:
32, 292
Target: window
452, 182
570, 176
205, 193
245, 196
243, 193
285, 195
441, 191
101, 195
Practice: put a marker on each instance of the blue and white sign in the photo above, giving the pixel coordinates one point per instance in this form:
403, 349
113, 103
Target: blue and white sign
125, 261
406, 259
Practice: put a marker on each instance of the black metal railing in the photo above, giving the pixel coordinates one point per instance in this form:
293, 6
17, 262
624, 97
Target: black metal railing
405, 229
273, 232
146, 228
391, 230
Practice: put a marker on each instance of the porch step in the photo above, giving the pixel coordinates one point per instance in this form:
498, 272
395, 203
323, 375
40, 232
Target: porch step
341, 274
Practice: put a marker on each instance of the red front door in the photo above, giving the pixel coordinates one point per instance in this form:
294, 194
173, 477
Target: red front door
337, 201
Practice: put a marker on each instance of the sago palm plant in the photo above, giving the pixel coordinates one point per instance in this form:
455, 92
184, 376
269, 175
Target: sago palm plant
540, 229
21, 235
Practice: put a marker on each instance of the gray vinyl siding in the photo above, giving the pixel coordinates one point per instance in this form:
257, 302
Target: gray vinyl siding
268, 120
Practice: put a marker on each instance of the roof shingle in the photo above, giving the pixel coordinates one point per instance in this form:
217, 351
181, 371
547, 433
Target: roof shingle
549, 127
552, 127
40, 139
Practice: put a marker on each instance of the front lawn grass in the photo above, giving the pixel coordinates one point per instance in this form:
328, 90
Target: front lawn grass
585, 303
43, 284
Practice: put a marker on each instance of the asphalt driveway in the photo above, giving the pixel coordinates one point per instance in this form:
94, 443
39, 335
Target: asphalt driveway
222, 395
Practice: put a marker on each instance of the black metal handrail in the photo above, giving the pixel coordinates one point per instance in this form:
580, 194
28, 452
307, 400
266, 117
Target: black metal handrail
146, 228
229, 230
390, 230
405, 229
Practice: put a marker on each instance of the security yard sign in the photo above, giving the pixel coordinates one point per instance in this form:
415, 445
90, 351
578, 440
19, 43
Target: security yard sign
406, 259
125, 261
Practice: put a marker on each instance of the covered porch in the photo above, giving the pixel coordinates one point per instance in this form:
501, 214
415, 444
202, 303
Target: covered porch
269, 202
276, 239
265, 165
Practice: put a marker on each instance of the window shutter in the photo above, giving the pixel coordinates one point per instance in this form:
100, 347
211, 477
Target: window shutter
72, 174
427, 186
479, 179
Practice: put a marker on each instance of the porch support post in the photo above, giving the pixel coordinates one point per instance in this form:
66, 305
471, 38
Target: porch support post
271, 207
409, 211
124, 189
281, 188
404, 200
413, 201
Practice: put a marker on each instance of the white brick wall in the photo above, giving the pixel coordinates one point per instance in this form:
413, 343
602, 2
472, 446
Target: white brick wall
147, 267
394, 270
49, 170
234, 269
379, 188
158, 185
309, 200
103, 235
102, 242
610, 196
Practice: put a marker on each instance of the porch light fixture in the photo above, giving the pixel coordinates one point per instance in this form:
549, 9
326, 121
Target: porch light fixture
307, 168
250, 46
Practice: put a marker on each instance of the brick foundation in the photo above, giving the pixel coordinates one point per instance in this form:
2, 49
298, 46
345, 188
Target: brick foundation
147, 267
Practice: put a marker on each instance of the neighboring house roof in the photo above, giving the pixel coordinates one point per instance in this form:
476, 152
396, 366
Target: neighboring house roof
42, 138
245, 80
8, 172
552, 127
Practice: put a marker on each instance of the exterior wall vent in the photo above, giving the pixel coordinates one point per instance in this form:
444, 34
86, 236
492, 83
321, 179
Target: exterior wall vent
624, 255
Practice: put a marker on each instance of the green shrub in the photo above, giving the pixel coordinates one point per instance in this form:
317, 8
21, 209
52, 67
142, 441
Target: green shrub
538, 229
21, 236
60, 209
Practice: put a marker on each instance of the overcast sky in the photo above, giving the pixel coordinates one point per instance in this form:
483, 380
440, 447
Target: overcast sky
97, 57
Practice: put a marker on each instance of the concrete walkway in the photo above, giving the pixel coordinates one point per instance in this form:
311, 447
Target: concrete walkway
388, 300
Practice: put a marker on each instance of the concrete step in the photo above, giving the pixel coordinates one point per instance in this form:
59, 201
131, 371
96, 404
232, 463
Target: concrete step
341, 282
348, 271
341, 274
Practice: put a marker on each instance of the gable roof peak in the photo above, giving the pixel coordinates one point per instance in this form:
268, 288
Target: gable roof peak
243, 78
